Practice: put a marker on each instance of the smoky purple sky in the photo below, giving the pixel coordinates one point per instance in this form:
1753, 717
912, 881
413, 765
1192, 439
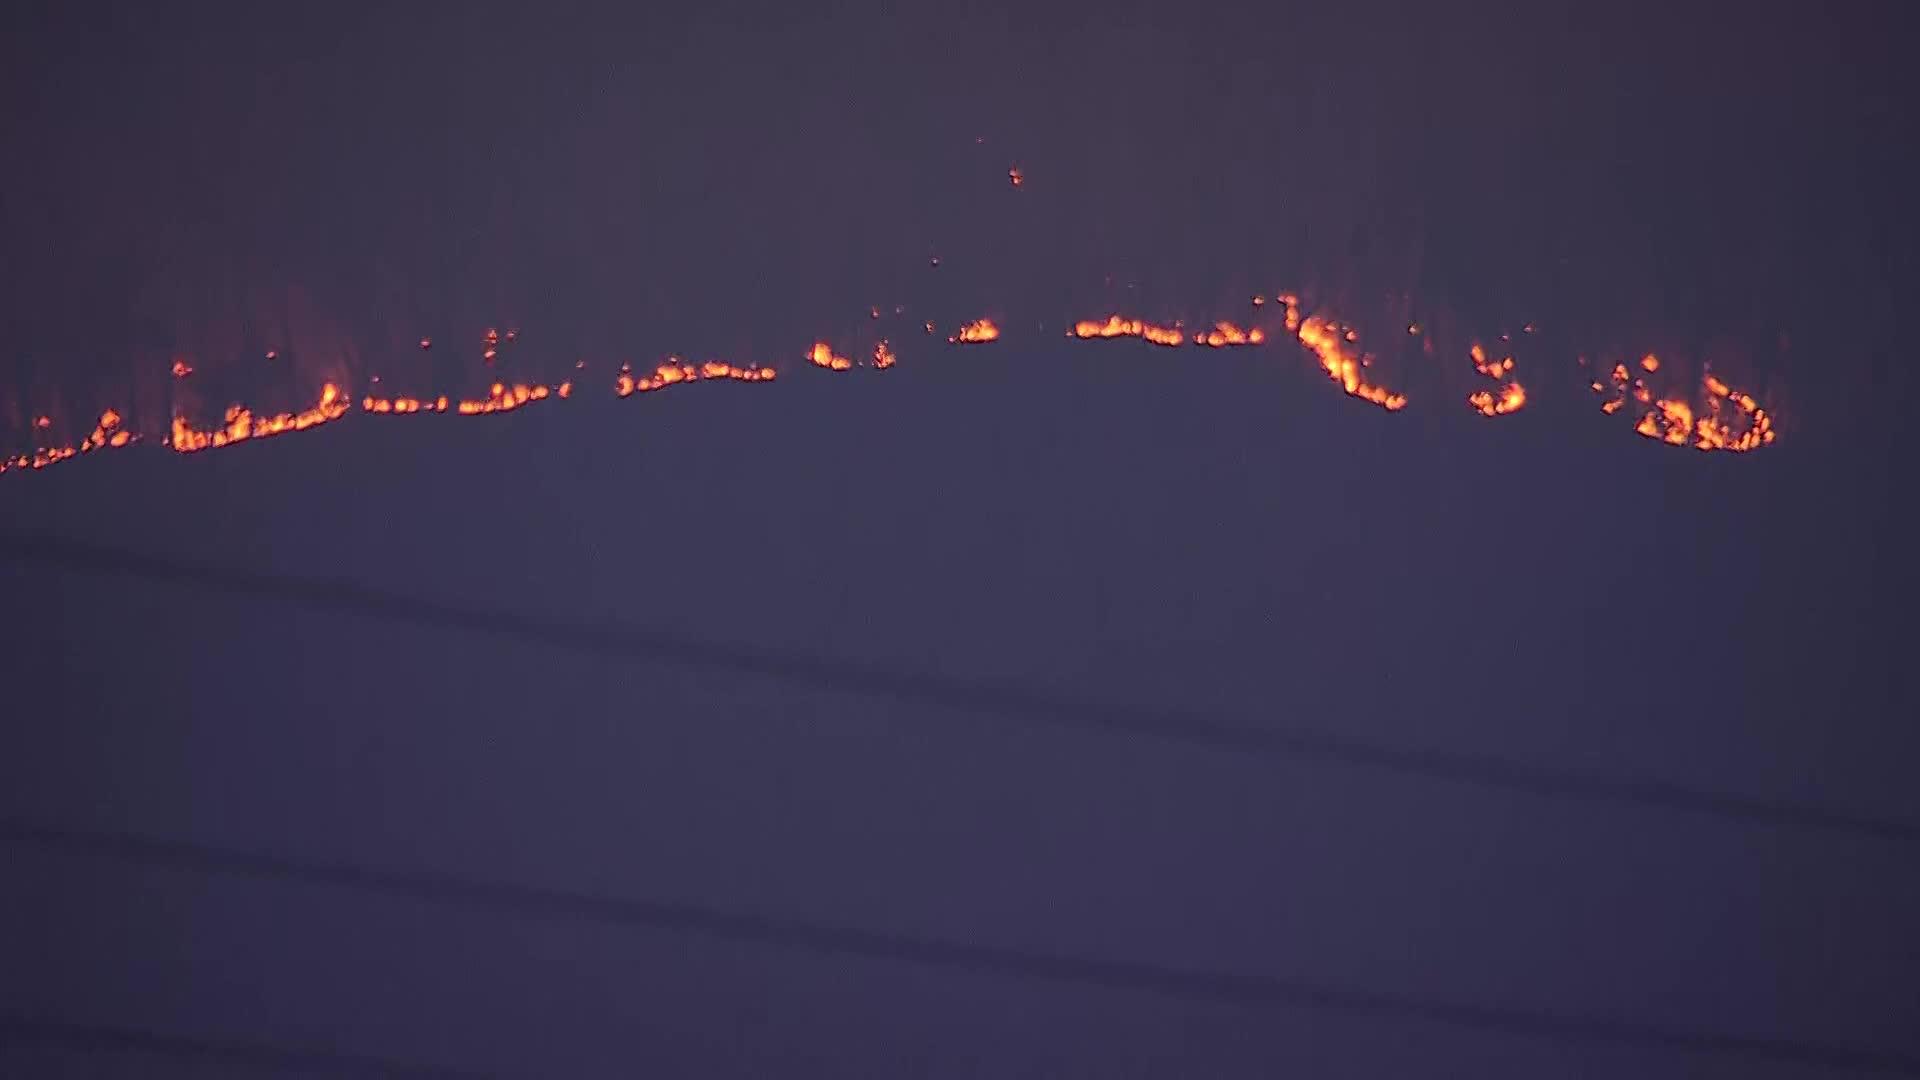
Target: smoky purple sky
1232, 540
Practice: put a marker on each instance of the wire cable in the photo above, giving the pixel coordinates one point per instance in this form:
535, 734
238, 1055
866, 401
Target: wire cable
1034, 707
18, 1029
1185, 984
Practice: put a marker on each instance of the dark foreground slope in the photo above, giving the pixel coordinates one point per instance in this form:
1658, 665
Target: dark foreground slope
1226, 534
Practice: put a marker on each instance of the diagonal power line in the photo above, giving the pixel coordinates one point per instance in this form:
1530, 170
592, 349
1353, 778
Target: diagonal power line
26, 1030
1032, 706
821, 939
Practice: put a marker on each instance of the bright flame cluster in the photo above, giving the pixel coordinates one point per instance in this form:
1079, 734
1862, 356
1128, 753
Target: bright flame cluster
1726, 418
107, 432
676, 370
975, 332
502, 397
1512, 395
822, 355
241, 424
1329, 341
1115, 326
1226, 334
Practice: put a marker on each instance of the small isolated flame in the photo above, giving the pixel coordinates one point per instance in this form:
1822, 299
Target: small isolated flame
883, 357
975, 332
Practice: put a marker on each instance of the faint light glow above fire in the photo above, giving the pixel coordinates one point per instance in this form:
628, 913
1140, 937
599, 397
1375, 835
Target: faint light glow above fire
1668, 397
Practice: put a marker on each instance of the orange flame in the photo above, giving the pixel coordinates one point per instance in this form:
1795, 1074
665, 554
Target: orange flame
1226, 334
241, 424
503, 398
1115, 326
1711, 416
822, 355
975, 332
676, 370
1726, 419
1329, 342
107, 432
403, 405
1512, 396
